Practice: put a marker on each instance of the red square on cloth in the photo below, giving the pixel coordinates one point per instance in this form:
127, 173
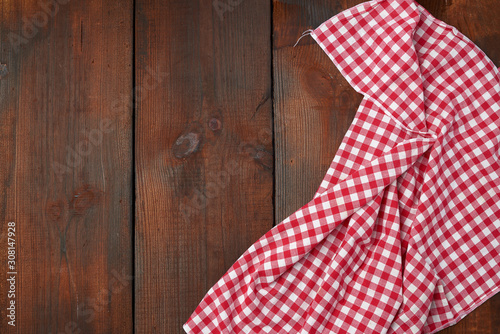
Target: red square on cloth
403, 234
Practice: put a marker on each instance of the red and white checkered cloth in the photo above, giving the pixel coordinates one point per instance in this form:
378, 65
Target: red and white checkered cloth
403, 234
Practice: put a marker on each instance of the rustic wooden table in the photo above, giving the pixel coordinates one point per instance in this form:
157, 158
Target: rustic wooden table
146, 144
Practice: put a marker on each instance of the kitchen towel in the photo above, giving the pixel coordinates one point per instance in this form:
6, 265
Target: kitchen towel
403, 234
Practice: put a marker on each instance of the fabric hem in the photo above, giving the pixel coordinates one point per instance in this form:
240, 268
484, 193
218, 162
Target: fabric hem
461, 315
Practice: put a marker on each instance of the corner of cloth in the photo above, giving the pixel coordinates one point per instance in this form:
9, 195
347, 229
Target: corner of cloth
371, 45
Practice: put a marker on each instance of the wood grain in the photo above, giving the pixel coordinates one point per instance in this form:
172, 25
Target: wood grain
66, 163
234, 130
204, 154
313, 104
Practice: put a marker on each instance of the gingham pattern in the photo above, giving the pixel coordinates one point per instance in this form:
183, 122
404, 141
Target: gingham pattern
403, 234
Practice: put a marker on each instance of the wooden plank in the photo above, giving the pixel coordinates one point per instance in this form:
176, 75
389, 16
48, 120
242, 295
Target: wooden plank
204, 154
314, 105
66, 165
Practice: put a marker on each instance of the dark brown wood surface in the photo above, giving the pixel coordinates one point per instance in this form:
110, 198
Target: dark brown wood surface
66, 165
204, 151
146, 144
314, 105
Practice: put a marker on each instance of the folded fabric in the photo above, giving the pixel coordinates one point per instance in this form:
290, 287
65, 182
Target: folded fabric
403, 234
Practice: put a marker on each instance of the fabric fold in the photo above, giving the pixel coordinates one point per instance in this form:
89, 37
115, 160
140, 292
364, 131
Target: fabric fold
372, 46
403, 233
